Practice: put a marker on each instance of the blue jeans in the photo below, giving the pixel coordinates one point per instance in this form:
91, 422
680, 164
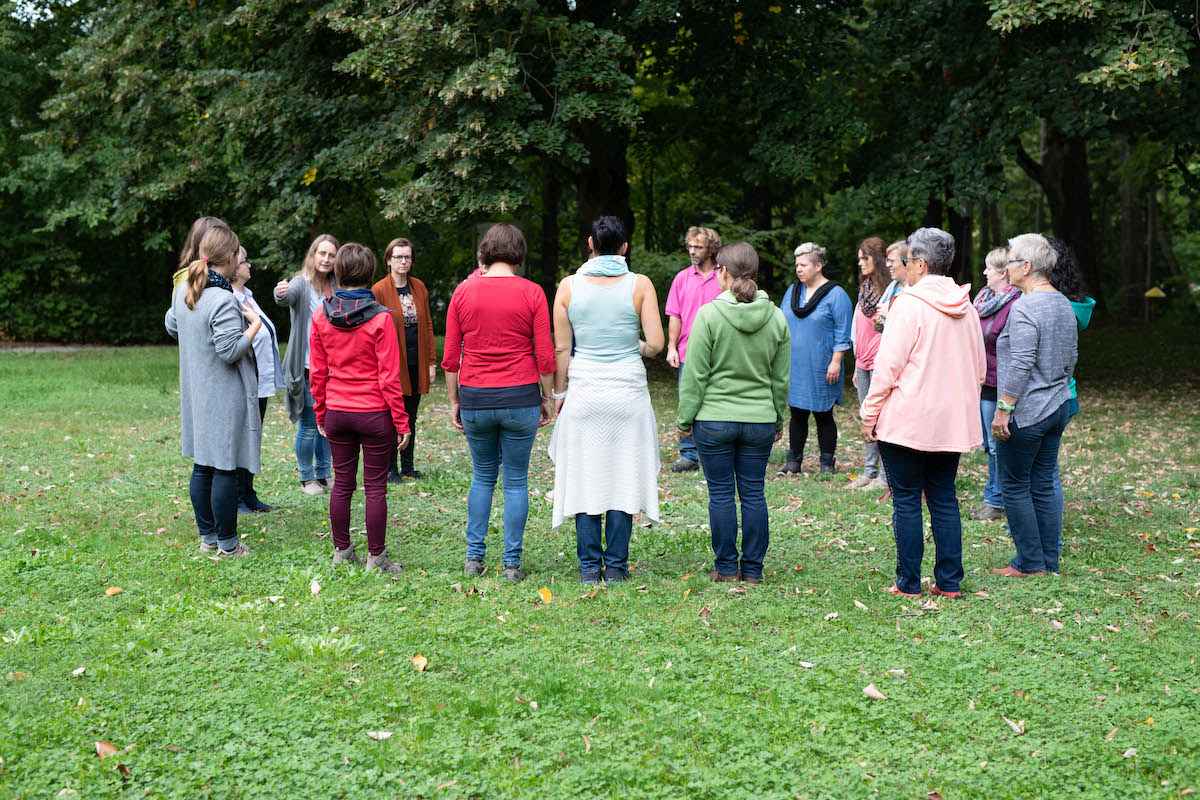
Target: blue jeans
910, 472
311, 446
619, 527
495, 435
992, 495
735, 454
1033, 491
687, 447
214, 496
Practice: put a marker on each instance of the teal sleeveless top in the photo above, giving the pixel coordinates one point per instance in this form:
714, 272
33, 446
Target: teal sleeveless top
606, 325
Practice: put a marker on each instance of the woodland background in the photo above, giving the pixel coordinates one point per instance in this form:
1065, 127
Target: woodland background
774, 122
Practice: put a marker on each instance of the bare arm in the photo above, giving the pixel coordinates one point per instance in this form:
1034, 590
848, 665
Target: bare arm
564, 335
652, 327
674, 328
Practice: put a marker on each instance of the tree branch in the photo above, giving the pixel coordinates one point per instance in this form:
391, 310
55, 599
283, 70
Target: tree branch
1026, 162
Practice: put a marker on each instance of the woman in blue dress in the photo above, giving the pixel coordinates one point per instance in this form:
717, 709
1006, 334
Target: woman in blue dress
818, 313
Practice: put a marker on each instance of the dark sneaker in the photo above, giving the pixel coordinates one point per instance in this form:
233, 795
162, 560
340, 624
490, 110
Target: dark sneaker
394, 477
412, 475
381, 563
615, 574
684, 465
590, 577
789, 468
717, 577
474, 566
827, 468
513, 572
346, 556
257, 506
244, 509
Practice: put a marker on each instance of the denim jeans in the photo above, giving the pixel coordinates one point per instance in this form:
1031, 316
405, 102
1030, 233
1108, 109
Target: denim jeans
214, 495
872, 464
687, 447
618, 526
909, 473
373, 433
498, 435
311, 446
735, 454
992, 494
1033, 491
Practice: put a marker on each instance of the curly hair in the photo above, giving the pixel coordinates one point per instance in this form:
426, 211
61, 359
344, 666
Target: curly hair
1067, 277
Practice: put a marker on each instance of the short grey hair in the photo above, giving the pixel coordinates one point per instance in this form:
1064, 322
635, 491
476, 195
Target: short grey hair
1037, 250
811, 247
935, 246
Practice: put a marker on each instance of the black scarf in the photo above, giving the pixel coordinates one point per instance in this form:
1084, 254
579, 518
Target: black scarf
813, 302
215, 279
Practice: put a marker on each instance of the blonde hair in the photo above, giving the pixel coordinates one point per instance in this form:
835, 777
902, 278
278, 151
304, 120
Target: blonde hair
901, 246
711, 238
995, 258
309, 268
740, 262
219, 246
811, 247
191, 245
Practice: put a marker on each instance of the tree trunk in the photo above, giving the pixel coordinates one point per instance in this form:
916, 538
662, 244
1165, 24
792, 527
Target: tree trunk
648, 222
603, 182
960, 223
1133, 233
551, 195
1164, 239
1063, 176
933, 212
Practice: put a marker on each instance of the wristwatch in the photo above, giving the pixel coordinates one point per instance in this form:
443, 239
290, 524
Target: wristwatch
1003, 406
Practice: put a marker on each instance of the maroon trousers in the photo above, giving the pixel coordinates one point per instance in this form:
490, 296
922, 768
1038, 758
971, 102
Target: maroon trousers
347, 432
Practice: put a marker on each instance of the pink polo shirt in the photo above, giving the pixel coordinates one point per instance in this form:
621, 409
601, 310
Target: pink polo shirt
689, 291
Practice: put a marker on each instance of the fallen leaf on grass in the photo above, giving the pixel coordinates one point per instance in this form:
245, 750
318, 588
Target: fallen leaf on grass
533, 704
68, 792
110, 591
456, 587
685, 577
873, 693
274, 598
860, 605
899, 673
446, 785
738, 589
379, 736
929, 605
79, 671
806, 664
172, 747
1056, 625
545, 594
1017, 727
970, 704
420, 661
1111, 735
1129, 753
982, 594
587, 745
124, 770
314, 587
17, 676
104, 750
705, 612
934, 795
831, 616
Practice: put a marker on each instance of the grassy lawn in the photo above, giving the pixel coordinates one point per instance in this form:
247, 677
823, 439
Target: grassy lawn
263, 677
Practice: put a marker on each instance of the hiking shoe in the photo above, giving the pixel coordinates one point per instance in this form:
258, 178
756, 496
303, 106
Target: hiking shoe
615, 574
875, 485
244, 509
858, 483
257, 506
717, 577
412, 475
394, 477
237, 552
752, 581
684, 465
324, 483
207, 548
986, 513
589, 578
474, 566
347, 556
827, 468
312, 487
790, 467
381, 563
513, 572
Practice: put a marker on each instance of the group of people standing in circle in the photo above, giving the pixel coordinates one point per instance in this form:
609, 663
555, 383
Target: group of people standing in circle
929, 366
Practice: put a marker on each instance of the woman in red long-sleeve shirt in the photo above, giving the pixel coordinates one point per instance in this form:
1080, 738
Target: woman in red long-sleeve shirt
354, 368
499, 363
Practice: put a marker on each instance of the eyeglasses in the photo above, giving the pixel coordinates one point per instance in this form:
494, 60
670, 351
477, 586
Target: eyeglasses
913, 258
400, 258
1015, 261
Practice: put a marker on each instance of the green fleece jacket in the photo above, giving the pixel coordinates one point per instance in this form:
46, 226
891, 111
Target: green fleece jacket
738, 364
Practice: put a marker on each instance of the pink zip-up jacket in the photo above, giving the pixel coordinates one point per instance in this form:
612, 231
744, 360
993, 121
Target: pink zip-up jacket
930, 365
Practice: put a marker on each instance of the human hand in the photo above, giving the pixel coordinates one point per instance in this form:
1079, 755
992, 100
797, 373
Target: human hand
833, 373
1000, 424
321, 430
547, 412
403, 440
684, 434
281, 288
558, 404
854, 379
432, 372
251, 315
456, 417
868, 432
779, 434
673, 357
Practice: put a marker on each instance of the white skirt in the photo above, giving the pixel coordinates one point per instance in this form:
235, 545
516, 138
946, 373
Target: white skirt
605, 442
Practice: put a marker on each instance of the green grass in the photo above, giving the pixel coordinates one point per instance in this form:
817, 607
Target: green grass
235, 680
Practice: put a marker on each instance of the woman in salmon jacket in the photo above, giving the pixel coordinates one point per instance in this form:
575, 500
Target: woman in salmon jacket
354, 363
930, 366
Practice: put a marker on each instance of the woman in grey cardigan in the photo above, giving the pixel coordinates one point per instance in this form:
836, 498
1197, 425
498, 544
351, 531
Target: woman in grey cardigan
218, 389
304, 293
1035, 356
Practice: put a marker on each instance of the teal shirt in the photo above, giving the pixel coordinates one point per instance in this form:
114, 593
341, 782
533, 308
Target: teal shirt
1083, 316
604, 322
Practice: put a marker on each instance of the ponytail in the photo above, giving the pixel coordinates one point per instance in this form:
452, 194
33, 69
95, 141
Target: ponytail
219, 247
740, 261
197, 279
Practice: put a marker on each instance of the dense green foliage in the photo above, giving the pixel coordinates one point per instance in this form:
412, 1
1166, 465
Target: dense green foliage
225, 680
779, 121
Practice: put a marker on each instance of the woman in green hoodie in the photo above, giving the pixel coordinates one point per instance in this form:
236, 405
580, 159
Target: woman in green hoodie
733, 398
1067, 278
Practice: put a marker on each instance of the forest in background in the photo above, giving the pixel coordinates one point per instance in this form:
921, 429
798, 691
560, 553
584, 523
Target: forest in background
773, 122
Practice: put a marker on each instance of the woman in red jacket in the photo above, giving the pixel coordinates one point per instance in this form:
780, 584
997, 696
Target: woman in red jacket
358, 400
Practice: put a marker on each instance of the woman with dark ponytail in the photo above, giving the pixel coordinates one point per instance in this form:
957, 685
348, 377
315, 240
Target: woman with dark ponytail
218, 388
733, 398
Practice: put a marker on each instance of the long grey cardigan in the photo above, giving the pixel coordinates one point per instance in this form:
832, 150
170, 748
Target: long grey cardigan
300, 300
218, 381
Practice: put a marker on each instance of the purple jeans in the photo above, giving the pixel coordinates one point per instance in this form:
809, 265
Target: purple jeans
347, 432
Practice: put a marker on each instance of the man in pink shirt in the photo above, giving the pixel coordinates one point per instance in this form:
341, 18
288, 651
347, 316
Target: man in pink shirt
691, 288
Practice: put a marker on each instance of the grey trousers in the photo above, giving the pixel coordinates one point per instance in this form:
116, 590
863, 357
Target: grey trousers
872, 465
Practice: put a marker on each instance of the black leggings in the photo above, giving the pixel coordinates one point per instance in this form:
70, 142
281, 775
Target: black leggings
412, 402
246, 493
826, 432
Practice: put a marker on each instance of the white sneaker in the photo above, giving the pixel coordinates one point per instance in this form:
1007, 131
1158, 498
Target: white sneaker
857, 483
312, 487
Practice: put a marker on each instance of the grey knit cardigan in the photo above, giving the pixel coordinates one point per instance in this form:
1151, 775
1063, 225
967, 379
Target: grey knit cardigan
300, 300
218, 381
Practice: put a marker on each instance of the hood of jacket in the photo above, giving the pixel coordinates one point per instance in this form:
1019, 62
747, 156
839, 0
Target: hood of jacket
745, 317
351, 309
1083, 311
942, 293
